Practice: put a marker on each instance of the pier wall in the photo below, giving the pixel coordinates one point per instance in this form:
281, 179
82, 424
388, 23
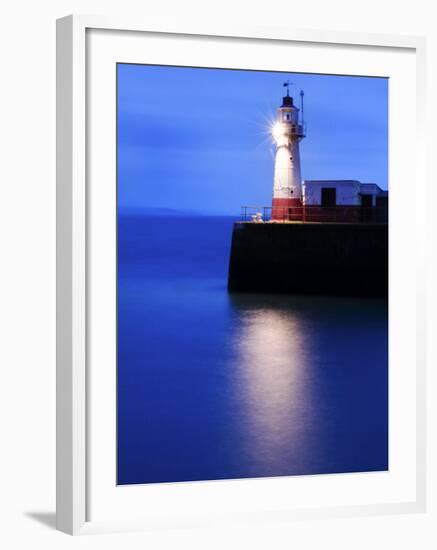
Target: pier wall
310, 258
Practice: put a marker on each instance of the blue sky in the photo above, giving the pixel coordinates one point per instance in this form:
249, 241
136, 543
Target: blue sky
198, 139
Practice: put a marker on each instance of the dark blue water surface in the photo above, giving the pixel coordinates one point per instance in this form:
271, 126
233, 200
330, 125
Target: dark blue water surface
215, 386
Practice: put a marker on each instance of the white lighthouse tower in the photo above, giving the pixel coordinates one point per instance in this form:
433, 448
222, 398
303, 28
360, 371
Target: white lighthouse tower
287, 133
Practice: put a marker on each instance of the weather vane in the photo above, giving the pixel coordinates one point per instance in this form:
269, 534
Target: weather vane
288, 84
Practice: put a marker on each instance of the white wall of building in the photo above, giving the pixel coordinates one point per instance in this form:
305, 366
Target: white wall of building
348, 192
371, 189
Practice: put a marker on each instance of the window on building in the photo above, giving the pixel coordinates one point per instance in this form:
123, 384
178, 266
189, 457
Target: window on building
366, 201
329, 196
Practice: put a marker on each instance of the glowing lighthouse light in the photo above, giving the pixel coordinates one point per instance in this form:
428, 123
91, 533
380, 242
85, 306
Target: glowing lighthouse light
287, 132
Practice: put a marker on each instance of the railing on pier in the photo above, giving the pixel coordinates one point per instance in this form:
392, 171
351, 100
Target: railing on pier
314, 214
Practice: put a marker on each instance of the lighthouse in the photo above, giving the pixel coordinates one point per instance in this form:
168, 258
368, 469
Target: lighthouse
287, 132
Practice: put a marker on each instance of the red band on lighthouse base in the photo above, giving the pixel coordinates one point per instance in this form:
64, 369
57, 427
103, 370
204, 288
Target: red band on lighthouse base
286, 209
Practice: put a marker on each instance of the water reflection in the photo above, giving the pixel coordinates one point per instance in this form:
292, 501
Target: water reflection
274, 381
310, 383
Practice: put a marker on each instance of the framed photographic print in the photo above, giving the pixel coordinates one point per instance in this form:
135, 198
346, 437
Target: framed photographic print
240, 275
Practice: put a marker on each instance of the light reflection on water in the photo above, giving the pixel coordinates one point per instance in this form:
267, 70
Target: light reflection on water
311, 382
272, 371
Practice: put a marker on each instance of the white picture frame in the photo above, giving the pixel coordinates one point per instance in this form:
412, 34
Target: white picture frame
74, 289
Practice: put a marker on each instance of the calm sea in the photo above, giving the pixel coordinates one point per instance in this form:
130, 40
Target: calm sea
215, 386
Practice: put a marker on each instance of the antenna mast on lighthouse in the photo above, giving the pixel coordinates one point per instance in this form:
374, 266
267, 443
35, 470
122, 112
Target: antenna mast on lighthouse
302, 119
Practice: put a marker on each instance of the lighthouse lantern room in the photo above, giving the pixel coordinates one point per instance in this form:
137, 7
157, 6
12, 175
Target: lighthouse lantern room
287, 132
